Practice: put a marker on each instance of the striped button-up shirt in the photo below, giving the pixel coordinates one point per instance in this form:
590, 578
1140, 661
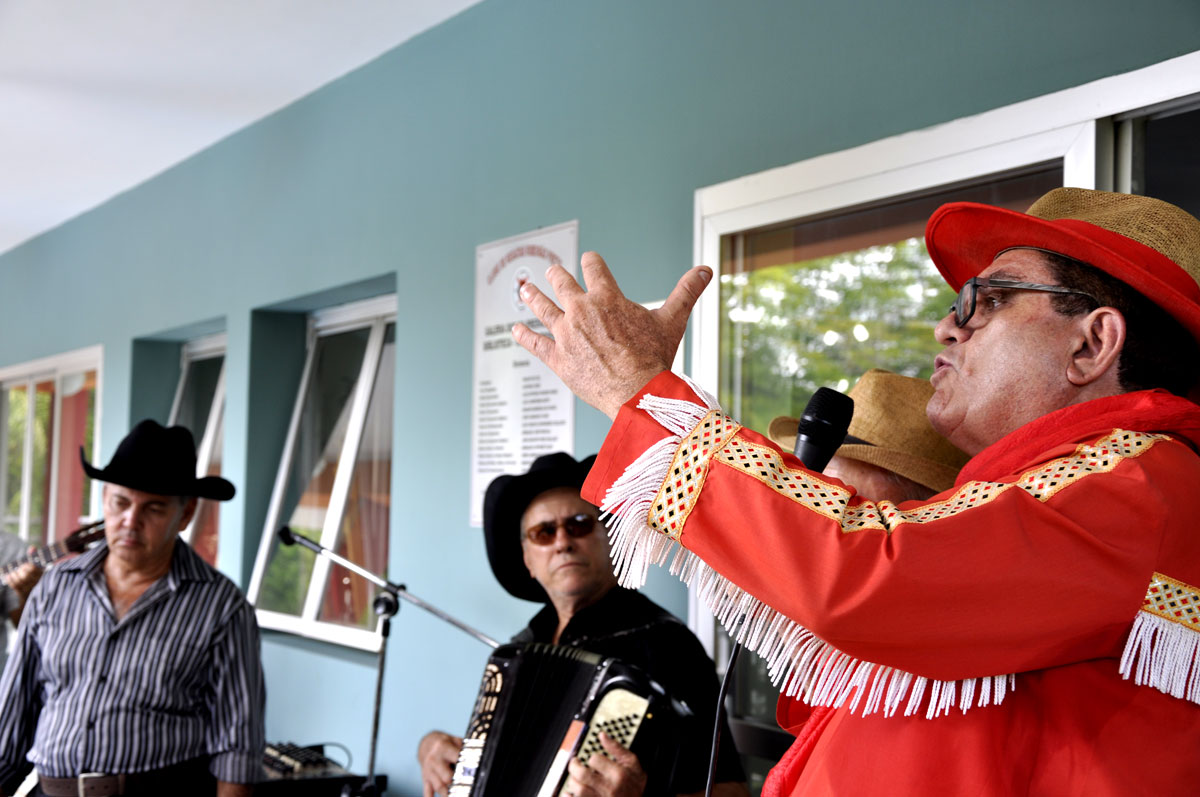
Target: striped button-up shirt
178, 677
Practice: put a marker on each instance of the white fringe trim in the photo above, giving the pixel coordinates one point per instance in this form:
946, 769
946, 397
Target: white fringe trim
799, 662
1164, 655
635, 546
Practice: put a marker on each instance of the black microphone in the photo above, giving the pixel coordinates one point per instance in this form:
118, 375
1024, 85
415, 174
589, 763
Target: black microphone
289, 537
823, 427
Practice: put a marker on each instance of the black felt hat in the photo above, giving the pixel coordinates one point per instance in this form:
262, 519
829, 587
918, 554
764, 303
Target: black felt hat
160, 460
504, 503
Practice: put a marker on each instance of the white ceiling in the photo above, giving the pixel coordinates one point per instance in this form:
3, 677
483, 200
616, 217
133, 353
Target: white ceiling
96, 96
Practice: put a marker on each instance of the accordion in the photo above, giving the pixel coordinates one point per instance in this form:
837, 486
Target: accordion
540, 705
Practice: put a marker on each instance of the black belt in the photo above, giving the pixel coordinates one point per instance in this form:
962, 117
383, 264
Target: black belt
189, 777
89, 784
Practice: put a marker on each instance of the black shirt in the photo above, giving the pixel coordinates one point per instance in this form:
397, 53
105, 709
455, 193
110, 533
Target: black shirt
627, 625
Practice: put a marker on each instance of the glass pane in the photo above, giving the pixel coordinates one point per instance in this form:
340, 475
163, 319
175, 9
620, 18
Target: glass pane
43, 444
336, 365
1172, 160
14, 403
817, 303
199, 387
756, 772
364, 531
206, 523
791, 328
77, 428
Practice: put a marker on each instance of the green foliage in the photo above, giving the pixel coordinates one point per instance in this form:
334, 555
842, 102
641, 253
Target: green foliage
285, 584
16, 410
788, 329
15, 406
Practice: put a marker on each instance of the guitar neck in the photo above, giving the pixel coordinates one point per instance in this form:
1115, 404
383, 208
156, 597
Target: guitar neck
49, 554
41, 557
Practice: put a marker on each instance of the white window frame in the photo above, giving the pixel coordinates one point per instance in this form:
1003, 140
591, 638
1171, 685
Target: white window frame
1073, 126
375, 313
29, 374
204, 348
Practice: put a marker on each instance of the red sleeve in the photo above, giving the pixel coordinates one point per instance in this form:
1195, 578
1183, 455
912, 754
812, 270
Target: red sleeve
1041, 568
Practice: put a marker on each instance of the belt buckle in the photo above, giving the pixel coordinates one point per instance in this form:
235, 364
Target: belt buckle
83, 778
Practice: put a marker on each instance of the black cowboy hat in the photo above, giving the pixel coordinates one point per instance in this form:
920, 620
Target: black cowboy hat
160, 460
504, 503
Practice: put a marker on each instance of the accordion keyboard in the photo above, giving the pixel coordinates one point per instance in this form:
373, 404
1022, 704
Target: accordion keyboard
619, 714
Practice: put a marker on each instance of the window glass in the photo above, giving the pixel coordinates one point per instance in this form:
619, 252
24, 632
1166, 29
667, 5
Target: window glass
43, 432
196, 401
1172, 159
205, 525
14, 402
363, 535
337, 362
818, 302
76, 428
44, 421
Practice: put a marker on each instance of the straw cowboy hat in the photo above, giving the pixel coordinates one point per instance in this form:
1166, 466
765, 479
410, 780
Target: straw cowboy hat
504, 503
889, 429
1150, 245
160, 460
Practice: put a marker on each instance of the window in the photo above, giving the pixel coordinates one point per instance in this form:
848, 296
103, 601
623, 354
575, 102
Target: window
822, 271
334, 482
1158, 152
199, 406
48, 411
819, 301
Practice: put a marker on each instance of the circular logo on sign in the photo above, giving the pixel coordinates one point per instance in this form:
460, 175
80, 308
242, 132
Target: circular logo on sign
520, 277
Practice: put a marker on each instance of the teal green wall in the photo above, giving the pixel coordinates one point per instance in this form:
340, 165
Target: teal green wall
515, 114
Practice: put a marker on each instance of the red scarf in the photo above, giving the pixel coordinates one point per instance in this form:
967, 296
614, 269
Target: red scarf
1141, 411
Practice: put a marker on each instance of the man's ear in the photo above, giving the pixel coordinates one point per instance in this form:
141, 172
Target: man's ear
1098, 347
187, 513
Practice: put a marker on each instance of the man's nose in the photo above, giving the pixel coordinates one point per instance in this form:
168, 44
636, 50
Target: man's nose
562, 540
132, 517
947, 332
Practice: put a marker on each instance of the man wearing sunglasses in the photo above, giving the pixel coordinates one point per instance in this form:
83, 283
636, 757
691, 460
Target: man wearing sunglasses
1035, 629
546, 545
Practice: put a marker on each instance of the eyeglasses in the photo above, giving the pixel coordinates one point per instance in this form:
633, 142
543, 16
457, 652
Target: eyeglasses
964, 305
576, 526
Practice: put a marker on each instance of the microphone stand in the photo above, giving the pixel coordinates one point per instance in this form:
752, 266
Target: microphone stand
386, 606
820, 432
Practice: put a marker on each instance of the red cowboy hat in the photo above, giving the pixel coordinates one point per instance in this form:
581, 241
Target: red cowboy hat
1150, 245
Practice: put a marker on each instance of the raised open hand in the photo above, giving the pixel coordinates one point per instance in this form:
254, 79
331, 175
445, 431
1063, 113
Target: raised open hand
602, 345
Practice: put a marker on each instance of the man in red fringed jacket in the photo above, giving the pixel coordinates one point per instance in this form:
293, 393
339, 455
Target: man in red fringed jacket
1032, 630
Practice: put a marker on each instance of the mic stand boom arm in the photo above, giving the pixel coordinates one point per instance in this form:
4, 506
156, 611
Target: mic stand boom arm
288, 537
385, 606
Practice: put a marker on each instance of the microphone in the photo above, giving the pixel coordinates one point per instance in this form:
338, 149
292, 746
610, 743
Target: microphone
822, 427
289, 537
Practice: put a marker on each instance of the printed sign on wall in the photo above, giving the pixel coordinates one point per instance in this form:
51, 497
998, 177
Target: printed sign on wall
520, 409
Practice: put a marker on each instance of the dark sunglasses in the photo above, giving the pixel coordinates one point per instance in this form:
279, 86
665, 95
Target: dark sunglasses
964, 305
576, 526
